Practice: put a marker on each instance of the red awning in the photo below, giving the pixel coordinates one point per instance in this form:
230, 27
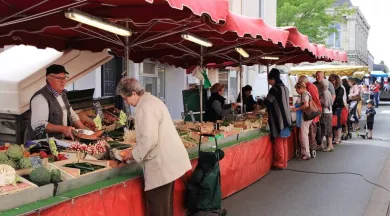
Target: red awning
255, 27
343, 56
157, 26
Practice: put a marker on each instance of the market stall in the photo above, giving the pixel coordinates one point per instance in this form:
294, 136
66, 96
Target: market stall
112, 195
87, 176
341, 70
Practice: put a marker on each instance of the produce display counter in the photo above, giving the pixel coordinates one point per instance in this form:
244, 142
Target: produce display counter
248, 157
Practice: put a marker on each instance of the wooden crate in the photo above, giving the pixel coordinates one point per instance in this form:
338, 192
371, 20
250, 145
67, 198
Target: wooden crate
75, 173
10, 189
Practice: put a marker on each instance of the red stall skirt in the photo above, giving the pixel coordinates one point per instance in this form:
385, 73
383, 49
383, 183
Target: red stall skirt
242, 165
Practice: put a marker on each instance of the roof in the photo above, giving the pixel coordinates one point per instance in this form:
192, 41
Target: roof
379, 67
342, 2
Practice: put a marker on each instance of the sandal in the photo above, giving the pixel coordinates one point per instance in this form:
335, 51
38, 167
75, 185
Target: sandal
338, 142
305, 158
327, 149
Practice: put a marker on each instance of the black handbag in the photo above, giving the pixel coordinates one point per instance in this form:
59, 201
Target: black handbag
319, 133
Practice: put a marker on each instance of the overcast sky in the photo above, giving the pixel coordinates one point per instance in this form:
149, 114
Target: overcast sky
377, 14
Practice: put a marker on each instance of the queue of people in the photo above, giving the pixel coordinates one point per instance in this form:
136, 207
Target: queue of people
329, 99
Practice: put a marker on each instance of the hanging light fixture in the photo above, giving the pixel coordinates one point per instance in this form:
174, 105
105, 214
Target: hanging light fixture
270, 57
242, 52
96, 22
196, 39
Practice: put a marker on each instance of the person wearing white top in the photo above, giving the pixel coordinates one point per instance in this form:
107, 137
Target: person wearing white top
51, 113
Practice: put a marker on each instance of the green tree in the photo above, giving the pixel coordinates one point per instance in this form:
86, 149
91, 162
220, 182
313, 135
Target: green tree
314, 18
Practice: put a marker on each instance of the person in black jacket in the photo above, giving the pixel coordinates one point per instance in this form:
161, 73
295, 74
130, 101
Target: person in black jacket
347, 87
338, 105
249, 102
216, 109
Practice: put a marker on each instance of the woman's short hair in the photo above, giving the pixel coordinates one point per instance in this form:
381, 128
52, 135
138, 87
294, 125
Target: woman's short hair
127, 86
300, 85
216, 87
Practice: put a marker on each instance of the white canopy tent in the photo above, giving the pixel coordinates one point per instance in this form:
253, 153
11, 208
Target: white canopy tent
23, 72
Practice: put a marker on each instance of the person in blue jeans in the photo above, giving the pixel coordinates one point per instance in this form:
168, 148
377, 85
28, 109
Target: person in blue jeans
370, 113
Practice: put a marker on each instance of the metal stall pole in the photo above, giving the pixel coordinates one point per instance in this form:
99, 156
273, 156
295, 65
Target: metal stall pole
127, 50
201, 86
241, 94
267, 75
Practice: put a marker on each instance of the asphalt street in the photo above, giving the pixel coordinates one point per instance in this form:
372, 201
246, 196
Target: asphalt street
292, 193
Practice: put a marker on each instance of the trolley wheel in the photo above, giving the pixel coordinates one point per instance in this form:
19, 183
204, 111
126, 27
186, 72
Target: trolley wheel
313, 153
298, 153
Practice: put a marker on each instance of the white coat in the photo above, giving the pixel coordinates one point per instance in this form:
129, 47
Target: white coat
159, 146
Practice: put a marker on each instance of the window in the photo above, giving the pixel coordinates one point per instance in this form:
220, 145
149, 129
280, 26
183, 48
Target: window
229, 80
152, 78
334, 40
223, 77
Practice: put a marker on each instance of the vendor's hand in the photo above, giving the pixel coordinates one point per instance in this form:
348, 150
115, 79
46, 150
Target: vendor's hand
294, 109
67, 131
234, 105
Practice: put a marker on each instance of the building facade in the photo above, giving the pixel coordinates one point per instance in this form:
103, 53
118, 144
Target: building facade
371, 61
351, 35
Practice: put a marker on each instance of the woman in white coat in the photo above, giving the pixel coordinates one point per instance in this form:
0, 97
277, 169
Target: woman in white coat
159, 147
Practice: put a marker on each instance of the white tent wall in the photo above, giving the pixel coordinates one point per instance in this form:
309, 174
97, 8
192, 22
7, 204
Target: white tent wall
23, 72
175, 84
91, 80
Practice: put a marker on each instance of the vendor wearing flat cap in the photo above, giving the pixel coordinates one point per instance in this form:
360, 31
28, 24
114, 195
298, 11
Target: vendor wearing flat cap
51, 112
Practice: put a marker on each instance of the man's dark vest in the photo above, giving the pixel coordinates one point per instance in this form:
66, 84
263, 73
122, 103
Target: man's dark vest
55, 115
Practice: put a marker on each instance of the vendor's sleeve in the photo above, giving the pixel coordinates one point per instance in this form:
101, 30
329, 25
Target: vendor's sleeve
39, 112
219, 109
73, 115
147, 131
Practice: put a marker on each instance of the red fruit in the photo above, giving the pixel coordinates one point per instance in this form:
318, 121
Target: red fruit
43, 154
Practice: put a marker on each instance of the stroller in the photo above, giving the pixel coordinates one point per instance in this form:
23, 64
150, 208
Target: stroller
204, 196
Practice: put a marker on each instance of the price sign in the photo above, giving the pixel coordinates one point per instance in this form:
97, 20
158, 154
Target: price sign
36, 162
98, 122
122, 118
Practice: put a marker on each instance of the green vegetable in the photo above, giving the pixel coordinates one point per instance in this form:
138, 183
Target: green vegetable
225, 123
15, 152
24, 163
11, 163
40, 176
55, 176
53, 147
3, 156
84, 167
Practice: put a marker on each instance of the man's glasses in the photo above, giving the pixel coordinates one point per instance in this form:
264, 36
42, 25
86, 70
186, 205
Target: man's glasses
61, 78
